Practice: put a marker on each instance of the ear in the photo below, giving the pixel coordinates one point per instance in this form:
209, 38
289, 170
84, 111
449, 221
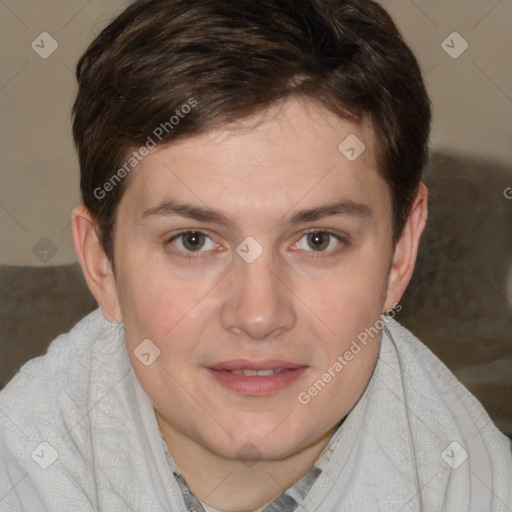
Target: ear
95, 264
406, 249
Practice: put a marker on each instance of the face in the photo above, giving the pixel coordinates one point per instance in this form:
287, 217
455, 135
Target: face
253, 257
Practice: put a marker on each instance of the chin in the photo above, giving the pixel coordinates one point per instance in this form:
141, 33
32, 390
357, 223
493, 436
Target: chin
261, 443
256, 451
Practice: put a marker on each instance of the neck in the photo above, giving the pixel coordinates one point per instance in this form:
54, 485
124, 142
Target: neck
237, 485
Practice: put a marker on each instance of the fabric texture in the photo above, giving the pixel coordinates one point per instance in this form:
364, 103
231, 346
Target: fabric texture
79, 433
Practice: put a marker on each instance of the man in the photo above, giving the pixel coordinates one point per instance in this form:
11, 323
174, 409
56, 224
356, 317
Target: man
252, 209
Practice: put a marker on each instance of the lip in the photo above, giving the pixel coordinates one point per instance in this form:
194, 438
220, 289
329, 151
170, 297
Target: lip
244, 364
257, 385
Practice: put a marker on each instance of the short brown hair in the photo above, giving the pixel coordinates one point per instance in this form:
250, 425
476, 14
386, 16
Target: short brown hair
234, 58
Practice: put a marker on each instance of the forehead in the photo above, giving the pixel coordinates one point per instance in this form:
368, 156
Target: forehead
291, 153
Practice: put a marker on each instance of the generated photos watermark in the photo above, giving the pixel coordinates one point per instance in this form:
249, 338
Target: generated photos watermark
137, 156
343, 360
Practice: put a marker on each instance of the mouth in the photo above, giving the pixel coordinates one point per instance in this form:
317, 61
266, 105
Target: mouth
256, 378
253, 373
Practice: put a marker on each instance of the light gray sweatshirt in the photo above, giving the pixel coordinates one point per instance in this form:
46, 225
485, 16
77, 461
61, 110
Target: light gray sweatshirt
77, 432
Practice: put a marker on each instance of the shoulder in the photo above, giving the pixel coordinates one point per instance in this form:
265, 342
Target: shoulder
422, 368
446, 410
43, 404
42, 384
425, 375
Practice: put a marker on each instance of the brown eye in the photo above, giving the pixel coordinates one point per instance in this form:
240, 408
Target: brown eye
191, 243
318, 240
322, 242
193, 240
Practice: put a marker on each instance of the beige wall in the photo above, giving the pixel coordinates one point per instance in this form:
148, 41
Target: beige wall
472, 97
472, 94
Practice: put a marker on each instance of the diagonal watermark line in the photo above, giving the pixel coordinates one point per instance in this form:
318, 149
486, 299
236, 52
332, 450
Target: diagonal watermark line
492, 81
14, 76
430, 70
84, 209
498, 292
303, 303
283, 216
65, 227
217, 486
424, 13
190, 190
487, 13
196, 304
484, 219
13, 487
198, 403
5, 288
76, 14
14, 218
111, 388
15, 424
14, 14
283, 488
280, 423
68, 68
491, 491
420, 491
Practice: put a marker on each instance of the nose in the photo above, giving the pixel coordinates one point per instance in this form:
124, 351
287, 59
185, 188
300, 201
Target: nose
259, 304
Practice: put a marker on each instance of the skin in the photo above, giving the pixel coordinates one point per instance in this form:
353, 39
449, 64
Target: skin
293, 302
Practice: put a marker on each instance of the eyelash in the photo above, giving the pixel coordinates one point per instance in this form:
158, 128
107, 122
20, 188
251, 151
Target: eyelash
187, 255
315, 254
342, 240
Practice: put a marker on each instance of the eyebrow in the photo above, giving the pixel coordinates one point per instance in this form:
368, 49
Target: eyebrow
341, 207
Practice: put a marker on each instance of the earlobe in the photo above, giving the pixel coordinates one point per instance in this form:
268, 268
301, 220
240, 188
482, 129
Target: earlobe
95, 264
406, 249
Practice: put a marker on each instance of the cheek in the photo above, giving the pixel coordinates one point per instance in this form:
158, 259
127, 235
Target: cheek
351, 307
151, 303
350, 299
